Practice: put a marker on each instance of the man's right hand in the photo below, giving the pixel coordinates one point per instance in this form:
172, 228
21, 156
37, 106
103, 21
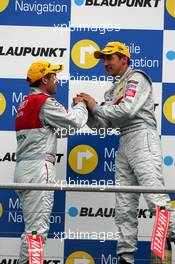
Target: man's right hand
89, 100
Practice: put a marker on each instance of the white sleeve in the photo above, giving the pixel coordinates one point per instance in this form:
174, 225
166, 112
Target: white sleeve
55, 115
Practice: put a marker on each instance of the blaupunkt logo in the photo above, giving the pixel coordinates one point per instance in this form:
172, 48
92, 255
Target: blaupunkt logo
9, 156
91, 212
104, 212
119, 3
3, 5
32, 51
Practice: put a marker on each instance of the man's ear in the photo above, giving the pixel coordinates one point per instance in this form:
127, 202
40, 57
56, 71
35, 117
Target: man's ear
124, 60
44, 80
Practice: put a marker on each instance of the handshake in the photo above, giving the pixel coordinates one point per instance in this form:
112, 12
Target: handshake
86, 98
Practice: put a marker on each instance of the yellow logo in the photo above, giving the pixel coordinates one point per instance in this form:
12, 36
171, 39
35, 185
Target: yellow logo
3, 5
1, 210
80, 257
83, 159
83, 54
169, 109
170, 6
2, 104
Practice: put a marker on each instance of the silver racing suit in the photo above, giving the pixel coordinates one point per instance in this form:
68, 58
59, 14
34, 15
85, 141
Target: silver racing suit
129, 106
36, 150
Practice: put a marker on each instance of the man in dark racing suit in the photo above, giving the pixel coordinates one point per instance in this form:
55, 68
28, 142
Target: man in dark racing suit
129, 106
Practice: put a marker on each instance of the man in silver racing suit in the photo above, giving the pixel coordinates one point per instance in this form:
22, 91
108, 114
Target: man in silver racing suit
129, 106
39, 118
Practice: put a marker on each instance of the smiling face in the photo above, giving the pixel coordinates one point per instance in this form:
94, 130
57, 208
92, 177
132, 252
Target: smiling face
114, 65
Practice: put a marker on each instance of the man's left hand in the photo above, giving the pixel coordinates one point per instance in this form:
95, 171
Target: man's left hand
78, 99
89, 100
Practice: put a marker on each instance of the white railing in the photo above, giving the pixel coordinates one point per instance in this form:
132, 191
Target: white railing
84, 188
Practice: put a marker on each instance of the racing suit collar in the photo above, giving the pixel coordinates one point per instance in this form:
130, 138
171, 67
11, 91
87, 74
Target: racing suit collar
122, 77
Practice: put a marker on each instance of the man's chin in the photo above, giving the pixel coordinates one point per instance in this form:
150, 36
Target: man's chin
111, 74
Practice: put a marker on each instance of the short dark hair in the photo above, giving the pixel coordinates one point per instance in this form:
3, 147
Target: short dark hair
38, 82
121, 56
